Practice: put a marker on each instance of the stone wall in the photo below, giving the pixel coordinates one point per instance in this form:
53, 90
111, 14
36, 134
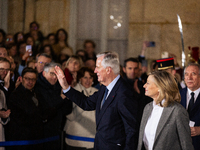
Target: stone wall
50, 14
156, 20
149, 20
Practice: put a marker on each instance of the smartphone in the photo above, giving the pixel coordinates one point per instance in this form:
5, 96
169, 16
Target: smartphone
151, 44
29, 49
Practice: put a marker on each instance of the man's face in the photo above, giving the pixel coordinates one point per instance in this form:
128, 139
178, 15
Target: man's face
29, 80
131, 70
192, 78
4, 68
42, 60
3, 52
100, 70
50, 76
89, 48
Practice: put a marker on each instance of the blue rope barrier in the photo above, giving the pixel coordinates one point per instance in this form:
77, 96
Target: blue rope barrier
79, 138
28, 142
33, 142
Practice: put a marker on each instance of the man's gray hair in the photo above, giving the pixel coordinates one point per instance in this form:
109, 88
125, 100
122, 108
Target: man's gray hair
194, 65
48, 66
111, 59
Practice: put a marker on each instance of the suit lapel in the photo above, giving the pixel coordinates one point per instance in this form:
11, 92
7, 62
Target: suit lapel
109, 99
184, 97
164, 117
100, 97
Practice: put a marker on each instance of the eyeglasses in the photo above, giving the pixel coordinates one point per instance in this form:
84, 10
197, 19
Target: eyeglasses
9, 39
3, 69
42, 63
30, 79
52, 74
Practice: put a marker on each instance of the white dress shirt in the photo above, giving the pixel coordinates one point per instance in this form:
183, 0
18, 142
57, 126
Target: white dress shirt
196, 93
151, 126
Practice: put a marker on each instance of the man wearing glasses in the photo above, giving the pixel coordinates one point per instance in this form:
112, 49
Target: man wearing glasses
41, 60
26, 122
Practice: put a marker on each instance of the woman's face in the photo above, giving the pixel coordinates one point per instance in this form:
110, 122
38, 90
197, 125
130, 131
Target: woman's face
86, 80
151, 89
73, 65
47, 50
61, 36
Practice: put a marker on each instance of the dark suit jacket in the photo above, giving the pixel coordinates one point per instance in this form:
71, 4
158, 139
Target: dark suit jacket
173, 131
194, 116
26, 121
116, 123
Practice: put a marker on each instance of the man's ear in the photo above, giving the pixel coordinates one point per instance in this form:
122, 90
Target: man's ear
43, 73
108, 70
124, 70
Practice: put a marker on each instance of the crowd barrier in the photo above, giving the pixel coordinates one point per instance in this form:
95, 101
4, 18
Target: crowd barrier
32, 142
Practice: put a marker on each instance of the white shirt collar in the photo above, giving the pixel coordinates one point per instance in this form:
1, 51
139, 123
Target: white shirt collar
112, 84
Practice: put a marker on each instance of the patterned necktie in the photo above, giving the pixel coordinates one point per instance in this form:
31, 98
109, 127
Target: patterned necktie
191, 103
35, 100
104, 98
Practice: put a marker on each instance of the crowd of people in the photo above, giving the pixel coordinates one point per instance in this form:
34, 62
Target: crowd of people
47, 90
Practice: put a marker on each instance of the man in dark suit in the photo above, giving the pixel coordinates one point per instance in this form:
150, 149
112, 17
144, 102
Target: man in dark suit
131, 72
116, 109
190, 99
55, 107
26, 121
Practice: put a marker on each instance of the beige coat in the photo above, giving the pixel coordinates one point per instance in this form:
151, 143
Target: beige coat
2, 105
81, 123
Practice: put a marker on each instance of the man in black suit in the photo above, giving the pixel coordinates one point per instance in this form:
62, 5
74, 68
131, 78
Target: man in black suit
26, 121
116, 108
131, 72
55, 108
190, 99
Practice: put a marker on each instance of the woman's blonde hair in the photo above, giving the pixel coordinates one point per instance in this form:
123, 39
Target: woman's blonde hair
77, 58
168, 88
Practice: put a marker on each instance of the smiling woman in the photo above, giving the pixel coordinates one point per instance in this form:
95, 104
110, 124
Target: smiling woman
165, 123
82, 123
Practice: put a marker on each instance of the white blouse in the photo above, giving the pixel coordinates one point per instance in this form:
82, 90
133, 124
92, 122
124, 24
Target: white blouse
151, 126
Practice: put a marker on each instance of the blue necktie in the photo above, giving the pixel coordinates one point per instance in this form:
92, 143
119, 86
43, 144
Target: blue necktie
104, 98
191, 103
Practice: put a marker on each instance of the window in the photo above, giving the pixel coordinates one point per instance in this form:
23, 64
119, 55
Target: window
103, 21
